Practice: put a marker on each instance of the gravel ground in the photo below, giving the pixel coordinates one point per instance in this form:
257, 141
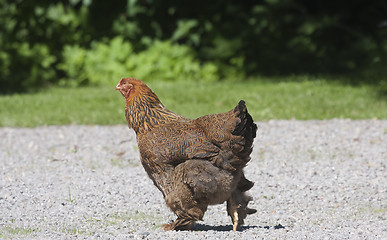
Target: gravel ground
313, 180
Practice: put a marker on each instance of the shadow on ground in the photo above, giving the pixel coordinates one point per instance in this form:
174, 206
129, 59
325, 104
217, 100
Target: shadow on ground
223, 228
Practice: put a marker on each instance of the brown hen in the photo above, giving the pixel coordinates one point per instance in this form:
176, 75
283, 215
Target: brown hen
194, 163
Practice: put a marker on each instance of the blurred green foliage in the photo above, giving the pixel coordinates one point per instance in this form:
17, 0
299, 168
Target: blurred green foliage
105, 63
77, 42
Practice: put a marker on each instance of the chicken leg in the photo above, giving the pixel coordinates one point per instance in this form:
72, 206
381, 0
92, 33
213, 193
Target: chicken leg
237, 208
232, 209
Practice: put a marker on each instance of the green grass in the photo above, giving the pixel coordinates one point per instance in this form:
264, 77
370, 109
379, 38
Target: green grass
11, 232
301, 99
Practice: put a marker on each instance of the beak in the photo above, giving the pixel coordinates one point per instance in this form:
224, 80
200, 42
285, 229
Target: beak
118, 87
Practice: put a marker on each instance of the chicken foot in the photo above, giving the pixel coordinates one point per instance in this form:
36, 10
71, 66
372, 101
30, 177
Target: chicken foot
237, 208
180, 224
232, 209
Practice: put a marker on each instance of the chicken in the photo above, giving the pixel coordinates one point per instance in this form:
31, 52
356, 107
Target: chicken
194, 163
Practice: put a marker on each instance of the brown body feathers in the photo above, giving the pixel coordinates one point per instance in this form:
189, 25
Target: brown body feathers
194, 163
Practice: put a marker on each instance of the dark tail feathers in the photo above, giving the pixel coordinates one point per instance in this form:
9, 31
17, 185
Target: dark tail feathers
246, 127
245, 130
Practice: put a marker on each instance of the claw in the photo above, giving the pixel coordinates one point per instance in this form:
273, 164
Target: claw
237, 208
235, 220
232, 208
